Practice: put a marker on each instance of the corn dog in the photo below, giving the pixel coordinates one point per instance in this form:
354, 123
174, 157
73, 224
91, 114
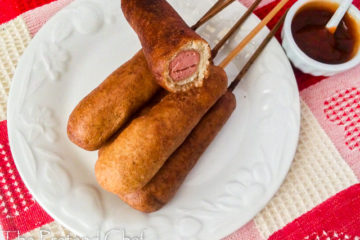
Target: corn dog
131, 159
102, 112
177, 56
163, 186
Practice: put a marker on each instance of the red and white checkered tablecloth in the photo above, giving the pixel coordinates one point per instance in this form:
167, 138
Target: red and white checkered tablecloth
319, 199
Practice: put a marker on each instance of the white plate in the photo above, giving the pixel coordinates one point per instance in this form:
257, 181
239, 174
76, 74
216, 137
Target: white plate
233, 180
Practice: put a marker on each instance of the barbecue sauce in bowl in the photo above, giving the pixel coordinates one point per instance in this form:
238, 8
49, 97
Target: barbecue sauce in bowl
312, 37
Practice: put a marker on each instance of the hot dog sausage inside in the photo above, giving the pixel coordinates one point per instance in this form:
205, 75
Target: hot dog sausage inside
177, 56
184, 65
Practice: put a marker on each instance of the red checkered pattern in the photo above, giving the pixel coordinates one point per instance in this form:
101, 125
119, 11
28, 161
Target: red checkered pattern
335, 219
331, 235
14, 197
18, 210
10, 9
343, 108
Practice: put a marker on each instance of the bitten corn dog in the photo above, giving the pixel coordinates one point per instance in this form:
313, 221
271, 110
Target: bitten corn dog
132, 158
163, 186
176, 54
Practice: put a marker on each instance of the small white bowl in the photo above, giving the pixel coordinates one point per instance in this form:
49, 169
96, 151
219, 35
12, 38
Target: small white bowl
303, 61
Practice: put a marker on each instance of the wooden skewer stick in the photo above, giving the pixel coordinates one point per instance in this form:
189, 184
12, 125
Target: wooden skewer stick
252, 34
218, 7
221, 5
234, 28
200, 21
257, 53
214, 7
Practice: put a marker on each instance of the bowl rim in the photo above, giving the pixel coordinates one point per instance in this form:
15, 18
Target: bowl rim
353, 11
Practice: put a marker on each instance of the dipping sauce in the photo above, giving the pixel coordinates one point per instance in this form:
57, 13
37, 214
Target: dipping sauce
311, 36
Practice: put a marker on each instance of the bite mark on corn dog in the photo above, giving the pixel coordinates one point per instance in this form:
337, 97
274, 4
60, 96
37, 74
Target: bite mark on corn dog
167, 43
